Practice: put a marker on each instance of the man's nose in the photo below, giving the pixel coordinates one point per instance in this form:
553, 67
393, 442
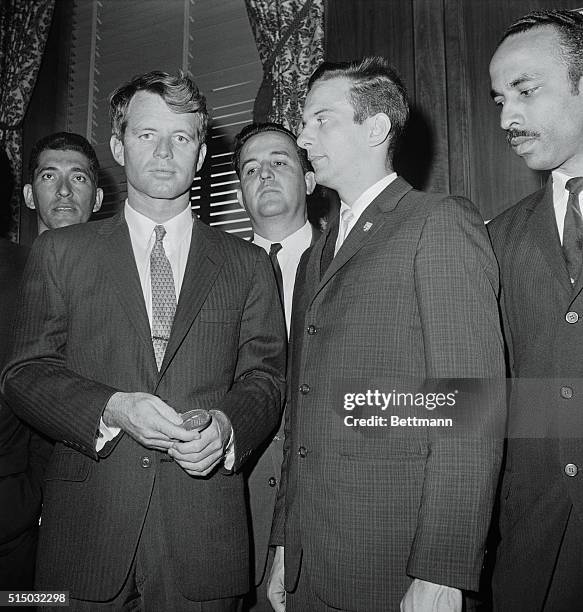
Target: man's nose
64, 188
266, 172
510, 117
304, 138
163, 148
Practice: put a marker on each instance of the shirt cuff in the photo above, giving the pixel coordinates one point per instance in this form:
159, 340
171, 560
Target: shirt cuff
105, 435
223, 421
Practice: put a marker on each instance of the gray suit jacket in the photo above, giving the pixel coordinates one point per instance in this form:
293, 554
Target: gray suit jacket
543, 316
82, 334
407, 304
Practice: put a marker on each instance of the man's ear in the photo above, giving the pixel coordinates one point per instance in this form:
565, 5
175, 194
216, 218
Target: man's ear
240, 198
201, 156
98, 199
28, 196
117, 150
379, 129
310, 179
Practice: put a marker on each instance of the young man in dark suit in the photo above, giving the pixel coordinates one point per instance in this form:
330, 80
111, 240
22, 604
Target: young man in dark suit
537, 81
63, 190
276, 177
124, 325
399, 296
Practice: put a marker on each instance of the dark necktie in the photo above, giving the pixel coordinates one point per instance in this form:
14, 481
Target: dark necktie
573, 229
274, 249
163, 295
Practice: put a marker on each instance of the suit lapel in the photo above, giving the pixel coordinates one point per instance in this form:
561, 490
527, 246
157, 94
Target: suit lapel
543, 229
326, 251
316, 233
118, 258
369, 223
202, 267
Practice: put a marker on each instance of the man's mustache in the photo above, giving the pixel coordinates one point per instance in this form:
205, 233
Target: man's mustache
510, 134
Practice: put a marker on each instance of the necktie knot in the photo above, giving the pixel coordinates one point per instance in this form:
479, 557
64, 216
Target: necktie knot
347, 216
274, 249
160, 231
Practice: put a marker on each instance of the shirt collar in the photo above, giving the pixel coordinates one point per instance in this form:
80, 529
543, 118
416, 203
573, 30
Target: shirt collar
560, 180
360, 204
142, 227
297, 238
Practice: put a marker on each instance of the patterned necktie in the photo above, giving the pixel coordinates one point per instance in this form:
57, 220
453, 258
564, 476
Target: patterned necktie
346, 217
573, 229
273, 251
163, 295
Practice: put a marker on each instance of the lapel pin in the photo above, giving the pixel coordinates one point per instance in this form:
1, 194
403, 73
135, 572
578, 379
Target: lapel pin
366, 226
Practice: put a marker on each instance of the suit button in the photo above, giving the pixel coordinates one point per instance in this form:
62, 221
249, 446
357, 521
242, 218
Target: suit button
304, 389
302, 452
571, 469
145, 461
572, 317
312, 329
272, 482
566, 392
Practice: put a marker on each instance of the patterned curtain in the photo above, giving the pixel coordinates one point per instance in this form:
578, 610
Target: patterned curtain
24, 28
290, 39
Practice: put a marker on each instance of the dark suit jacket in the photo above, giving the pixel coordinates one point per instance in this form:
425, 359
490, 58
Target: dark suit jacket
83, 334
410, 296
545, 346
23, 453
264, 477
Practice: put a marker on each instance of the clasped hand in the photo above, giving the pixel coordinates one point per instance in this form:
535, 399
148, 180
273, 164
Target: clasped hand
155, 424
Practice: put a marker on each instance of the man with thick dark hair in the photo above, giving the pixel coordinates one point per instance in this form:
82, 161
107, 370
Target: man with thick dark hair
125, 326
276, 177
63, 169
397, 298
536, 75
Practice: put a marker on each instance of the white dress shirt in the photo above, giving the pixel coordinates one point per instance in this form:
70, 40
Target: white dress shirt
288, 257
176, 245
361, 203
560, 199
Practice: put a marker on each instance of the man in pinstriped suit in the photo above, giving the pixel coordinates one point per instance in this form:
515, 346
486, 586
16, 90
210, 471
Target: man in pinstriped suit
139, 512
399, 294
537, 81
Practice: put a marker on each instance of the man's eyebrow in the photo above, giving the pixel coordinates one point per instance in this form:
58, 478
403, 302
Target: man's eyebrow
141, 128
47, 168
523, 78
254, 159
248, 161
318, 112
59, 169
